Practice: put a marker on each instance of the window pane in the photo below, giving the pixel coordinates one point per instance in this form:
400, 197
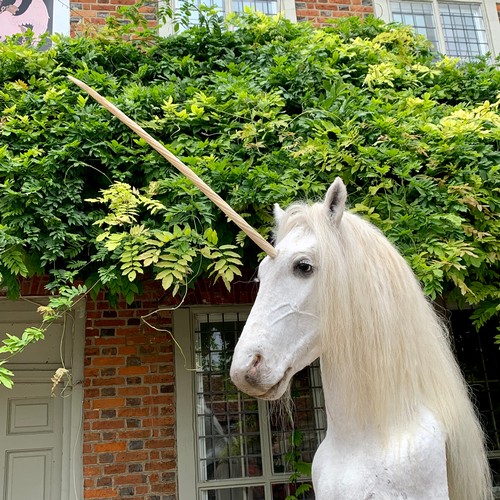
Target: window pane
228, 421
464, 30
419, 15
269, 7
231, 443
281, 491
194, 17
308, 418
247, 493
479, 358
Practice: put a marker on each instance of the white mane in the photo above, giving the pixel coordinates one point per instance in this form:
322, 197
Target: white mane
384, 349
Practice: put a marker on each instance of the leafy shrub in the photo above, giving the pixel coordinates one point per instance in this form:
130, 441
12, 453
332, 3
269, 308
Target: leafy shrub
268, 112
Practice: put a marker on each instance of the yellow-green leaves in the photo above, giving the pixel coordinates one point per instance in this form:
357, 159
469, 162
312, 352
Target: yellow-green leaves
225, 265
174, 254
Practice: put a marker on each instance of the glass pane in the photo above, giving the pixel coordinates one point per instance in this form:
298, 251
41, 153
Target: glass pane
194, 17
419, 15
281, 491
228, 421
479, 358
269, 7
464, 30
307, 418
247, 493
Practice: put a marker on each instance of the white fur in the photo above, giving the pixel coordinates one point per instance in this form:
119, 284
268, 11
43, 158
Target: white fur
400, 422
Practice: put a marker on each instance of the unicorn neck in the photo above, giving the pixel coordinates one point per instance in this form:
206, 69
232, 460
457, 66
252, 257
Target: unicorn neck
357, 405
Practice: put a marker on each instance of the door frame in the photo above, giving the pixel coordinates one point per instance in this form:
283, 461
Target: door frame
72, 423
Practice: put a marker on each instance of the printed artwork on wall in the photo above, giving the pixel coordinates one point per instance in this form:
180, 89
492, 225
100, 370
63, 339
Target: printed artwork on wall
17, 16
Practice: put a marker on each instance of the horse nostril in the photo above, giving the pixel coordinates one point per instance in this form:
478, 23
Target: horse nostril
256, 361
252, 374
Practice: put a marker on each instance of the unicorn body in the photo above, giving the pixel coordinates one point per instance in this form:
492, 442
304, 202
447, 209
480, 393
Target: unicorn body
400, 424
353, 464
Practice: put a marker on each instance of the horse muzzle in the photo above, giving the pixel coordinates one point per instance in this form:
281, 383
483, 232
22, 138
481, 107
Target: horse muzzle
253, 376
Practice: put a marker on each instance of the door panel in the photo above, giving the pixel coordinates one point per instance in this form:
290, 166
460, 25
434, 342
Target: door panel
35, 464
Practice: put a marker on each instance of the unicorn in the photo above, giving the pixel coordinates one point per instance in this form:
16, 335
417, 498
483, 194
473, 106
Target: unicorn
400, 424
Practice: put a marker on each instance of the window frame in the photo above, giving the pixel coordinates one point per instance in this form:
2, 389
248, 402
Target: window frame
382, 9
184, 320
60, 18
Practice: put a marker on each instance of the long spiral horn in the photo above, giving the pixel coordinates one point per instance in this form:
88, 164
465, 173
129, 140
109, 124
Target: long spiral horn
209, 192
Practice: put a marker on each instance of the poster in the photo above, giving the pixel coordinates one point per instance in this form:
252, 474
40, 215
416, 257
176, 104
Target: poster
17, 16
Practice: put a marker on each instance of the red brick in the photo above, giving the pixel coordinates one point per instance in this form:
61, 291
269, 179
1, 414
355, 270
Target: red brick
131, 456
107, 322
109, 361
133, 370
101, 493
114, 446
135, 434
157, 443
108, 403
130, 479
158, 400
89, 460
115, 469
135, 411
113, 381
109, 341
127, 350
108, 424
92, 471
134, 391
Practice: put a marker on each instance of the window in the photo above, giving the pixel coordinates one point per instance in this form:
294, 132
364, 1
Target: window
479, 358
238, 447
459, 29
269, 7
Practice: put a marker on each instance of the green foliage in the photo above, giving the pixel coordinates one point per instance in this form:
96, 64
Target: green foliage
300, 468
56, 308
268, 112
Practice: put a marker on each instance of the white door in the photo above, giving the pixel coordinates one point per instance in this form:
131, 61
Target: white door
40, 442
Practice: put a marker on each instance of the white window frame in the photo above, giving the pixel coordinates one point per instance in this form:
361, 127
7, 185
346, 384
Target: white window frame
189, 481
61, 17
286, 8
382, 9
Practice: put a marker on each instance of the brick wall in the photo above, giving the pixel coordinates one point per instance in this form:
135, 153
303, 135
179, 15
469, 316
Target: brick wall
319, 12
86, 15
129, 406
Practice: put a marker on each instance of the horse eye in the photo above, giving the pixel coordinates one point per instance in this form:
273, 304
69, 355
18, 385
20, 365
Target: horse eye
303, 268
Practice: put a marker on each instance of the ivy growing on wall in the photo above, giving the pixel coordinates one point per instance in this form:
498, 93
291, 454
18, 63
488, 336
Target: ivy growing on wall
267, 111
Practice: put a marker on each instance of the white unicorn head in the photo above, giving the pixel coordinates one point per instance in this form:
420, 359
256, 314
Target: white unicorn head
282, 333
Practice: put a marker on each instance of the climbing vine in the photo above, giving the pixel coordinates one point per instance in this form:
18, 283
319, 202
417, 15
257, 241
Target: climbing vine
268, 112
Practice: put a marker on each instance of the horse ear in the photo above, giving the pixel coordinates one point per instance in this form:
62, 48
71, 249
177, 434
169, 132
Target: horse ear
279, 213
335, 200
